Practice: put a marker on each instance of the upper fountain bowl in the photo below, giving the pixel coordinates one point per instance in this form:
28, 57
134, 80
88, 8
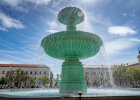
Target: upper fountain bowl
72, 44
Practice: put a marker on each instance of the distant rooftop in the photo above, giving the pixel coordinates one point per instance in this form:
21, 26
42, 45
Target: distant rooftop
22, 65
96, 66
132, 63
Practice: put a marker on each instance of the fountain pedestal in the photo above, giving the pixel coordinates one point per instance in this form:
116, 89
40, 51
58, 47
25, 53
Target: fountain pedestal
72, 77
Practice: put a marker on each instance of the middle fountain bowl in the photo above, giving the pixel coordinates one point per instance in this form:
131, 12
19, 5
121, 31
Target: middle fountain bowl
72, 44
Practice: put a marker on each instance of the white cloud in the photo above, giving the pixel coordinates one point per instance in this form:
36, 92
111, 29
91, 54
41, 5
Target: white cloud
39, 2
16, 4
51, 31
121, 30
89, 1
124, 14
12, 3
19, 4
3, 29
85, 26
118, 45
4, 61
56, 3
8, 22
135, 39
55, 26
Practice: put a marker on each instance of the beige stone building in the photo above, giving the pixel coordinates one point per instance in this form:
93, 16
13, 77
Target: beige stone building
102, 74
98, 75
32, 70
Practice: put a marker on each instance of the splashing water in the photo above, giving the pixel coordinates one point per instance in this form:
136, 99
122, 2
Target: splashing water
111, 80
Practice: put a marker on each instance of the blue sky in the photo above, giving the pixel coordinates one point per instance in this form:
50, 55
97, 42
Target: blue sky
24, 23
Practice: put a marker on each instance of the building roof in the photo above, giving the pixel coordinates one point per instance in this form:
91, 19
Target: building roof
23, 65
132, 63
96, 66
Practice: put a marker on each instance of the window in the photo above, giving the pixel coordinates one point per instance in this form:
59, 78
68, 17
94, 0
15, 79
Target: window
44, 72
2, 72
31, 72
40, 72
26, 72
35, 72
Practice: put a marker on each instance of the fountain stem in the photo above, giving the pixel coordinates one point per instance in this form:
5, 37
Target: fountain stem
71, 27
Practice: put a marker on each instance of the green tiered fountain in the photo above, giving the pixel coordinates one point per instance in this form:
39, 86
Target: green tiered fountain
71, 46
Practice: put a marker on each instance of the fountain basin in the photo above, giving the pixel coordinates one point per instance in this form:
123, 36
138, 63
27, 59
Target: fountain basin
53, 94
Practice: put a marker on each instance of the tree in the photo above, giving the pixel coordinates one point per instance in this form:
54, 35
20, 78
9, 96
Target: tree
3, 81
17, 77
133, 75
119, 74
105, 80
43, 80
86, 78
95, 81
125, 75
10, 76
32, 80
51, 79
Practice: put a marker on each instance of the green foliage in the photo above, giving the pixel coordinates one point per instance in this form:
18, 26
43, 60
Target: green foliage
43, 80
32, 80
51, 79
95, 81
130, 75
3, 81
10, 76
133, 74
16, 76
119, 73
105, 80
86, 78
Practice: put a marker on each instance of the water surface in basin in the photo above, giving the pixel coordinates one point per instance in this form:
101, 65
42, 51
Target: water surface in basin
44, 92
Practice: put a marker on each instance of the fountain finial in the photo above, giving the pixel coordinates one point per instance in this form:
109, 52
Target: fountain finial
70, 5
71, 16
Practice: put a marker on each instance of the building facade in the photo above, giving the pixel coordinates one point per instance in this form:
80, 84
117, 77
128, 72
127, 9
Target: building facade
97, 75
35, 71
101, 76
